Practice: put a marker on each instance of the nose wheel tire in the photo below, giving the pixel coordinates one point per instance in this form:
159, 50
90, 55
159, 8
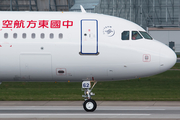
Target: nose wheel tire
89, 105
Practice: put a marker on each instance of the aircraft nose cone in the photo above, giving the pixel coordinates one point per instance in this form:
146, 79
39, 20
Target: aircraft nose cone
167, 58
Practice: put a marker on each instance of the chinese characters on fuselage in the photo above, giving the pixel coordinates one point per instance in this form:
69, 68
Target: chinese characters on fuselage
36, 24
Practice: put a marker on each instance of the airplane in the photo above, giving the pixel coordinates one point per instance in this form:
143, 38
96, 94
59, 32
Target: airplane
77, 47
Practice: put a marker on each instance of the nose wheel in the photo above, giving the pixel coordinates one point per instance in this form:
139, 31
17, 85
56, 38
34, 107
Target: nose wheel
89, 104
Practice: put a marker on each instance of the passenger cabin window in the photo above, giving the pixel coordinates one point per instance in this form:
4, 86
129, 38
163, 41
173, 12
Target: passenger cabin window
60, 35
125, 35
51, 35
15, 35
146, 35
24, 35
5, 35
33, 35
42, 35
136, 35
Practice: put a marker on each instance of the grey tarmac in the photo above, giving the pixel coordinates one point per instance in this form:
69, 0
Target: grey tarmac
106, 110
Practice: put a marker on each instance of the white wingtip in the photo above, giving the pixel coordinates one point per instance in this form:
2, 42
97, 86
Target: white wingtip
82, 9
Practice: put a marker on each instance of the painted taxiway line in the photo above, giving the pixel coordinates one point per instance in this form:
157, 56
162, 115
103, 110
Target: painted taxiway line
76, 109
14, 114
110, 108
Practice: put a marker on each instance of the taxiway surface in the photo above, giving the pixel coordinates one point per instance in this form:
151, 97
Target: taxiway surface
127, 110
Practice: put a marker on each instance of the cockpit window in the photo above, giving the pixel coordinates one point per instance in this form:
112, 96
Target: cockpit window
146, 35
136, 35
125, 35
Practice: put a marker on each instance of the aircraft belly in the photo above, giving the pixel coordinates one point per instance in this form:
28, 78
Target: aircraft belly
35, 66
9, 64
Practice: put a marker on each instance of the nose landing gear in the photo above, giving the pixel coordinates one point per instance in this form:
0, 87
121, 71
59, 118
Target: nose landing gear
89, 104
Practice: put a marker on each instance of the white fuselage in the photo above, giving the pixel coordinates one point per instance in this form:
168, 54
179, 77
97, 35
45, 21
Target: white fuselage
76, 48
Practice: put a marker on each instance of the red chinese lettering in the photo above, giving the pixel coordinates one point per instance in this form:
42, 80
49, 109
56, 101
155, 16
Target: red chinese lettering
19, 24
43, 23
67, 23
7, 23
32, 24
55, 24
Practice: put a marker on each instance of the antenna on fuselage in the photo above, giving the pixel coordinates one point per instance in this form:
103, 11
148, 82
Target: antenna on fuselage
82, 9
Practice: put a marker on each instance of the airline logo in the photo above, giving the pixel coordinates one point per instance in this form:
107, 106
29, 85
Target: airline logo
108, 31
36, 24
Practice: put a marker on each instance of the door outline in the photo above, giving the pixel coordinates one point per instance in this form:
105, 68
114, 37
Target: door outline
81, 52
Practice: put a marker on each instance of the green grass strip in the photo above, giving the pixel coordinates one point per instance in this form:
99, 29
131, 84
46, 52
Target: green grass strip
176, 66
162, 87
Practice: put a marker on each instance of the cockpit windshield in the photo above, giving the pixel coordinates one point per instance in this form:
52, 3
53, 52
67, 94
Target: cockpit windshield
146, 35
136, 35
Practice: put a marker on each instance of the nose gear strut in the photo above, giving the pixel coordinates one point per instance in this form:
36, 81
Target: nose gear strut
89, 104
